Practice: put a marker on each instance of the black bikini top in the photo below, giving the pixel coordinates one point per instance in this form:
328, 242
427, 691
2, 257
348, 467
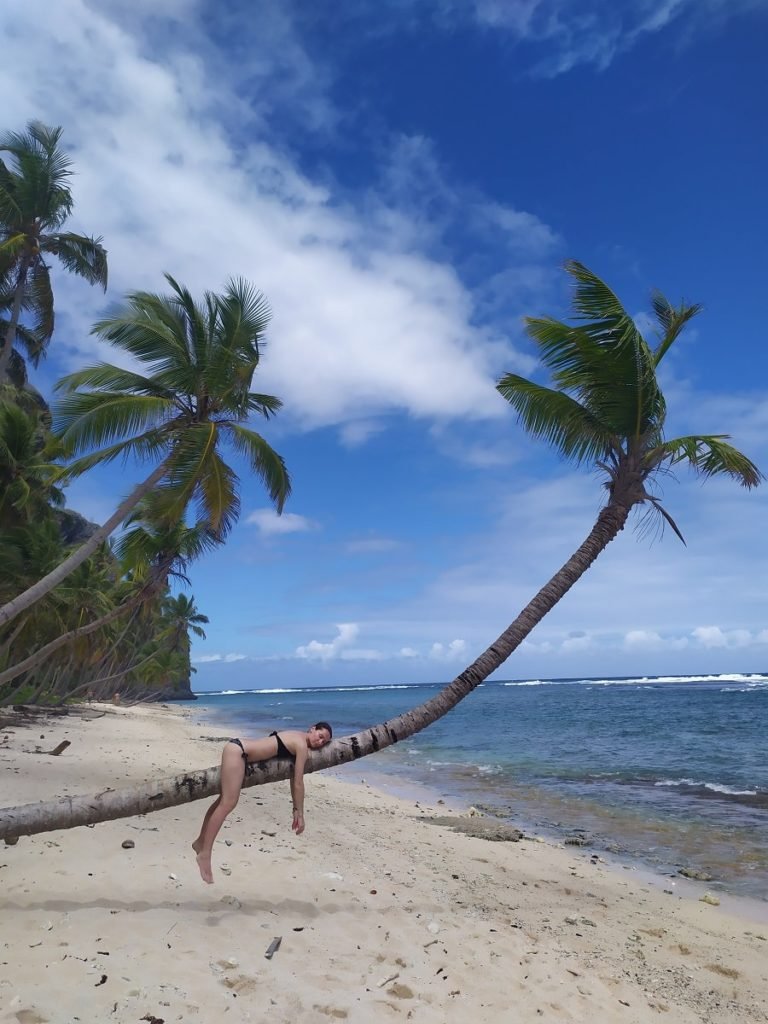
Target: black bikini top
282, 750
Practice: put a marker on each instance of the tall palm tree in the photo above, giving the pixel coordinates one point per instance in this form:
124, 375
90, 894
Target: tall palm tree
150, 554
184, 618
193, 398
35, 203
26, 474
606, 409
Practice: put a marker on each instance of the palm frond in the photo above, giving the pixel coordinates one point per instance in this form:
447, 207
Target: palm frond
263, 460
85, 420
672, 320
80, 254
666, 517
110, 378
558, 419
11, 244
218, 501
191, 451
146, 446
150, 328
38, 299
265, 405
245, 315
711, 455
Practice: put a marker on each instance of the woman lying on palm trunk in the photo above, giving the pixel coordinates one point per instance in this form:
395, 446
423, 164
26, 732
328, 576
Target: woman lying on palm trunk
237, 760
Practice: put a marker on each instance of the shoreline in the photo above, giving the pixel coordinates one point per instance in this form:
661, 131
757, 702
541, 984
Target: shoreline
659, 845
418, 794
384, 915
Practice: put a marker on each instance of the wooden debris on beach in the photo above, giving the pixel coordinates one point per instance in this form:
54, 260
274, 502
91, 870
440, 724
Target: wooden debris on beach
59, 749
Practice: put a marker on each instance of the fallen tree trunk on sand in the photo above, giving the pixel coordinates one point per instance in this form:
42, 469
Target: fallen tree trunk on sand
69, 812
74, 811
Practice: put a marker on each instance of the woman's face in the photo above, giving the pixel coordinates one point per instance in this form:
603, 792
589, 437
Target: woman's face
317, 738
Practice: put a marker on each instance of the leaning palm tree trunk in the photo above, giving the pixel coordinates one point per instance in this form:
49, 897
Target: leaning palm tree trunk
47, 583
86, 810
111, 678
80, 631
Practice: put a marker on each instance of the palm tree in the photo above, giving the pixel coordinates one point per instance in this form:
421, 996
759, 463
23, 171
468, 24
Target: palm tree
194, 397
35, 203
184, 617
150, 554
26, 475
606, 409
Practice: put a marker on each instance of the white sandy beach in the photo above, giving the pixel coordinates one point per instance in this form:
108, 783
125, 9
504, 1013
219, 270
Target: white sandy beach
383, 915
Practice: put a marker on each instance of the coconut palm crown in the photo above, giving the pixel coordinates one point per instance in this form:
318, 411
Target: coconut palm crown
192, 399
607, 407
35, 203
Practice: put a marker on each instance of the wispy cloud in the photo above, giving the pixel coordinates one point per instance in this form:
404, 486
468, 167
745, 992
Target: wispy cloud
203, 659
452, 651
335, 266
317, 650
560, 34
271, 524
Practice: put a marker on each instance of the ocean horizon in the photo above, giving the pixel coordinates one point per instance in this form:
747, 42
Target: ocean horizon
668, 772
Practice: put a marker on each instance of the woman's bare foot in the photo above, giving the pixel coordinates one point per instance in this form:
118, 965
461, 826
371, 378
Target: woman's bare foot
204, 863
197, 845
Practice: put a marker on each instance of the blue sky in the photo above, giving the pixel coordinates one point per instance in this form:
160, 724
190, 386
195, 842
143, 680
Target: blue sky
403, 181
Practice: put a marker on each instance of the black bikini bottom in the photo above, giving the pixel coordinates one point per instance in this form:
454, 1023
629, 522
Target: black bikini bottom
249, 768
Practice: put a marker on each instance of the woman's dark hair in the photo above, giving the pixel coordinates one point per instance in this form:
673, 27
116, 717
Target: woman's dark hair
324, 725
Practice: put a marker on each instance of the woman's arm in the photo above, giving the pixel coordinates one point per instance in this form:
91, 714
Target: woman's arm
297, 791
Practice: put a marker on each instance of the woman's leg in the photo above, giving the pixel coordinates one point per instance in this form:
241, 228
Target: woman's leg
232, 773
199, 841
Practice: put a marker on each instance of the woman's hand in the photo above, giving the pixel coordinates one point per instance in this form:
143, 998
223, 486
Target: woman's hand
298, 823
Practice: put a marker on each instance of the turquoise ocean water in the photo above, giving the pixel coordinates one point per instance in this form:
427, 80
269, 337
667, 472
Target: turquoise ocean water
665, 771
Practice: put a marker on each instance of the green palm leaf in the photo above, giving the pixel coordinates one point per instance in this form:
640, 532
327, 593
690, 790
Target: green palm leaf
672, 320
607, 406
93, 419
558, 419
263, 460
711, 455
79, 254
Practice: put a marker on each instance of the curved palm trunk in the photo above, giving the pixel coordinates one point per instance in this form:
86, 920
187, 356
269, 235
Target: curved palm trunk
74, 634
72, 811
111, 678
44, 586
10, 334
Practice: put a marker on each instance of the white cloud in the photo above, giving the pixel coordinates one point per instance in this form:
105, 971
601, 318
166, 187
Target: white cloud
644, 639
580, 642
356, 433
448, 652
650, 640
714, 636
203, 659
593, 32
710, 636
272, 524
408, 652
315, 650
374, 322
